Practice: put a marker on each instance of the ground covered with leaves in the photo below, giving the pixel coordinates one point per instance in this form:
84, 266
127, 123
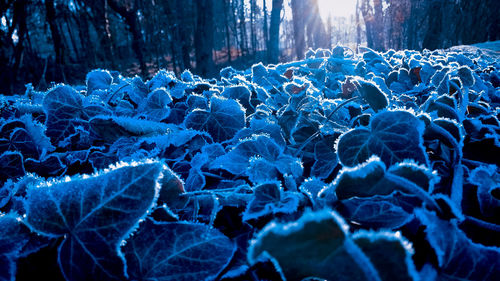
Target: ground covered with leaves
377, 166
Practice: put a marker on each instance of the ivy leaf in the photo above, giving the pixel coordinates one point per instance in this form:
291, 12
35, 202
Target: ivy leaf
93, 213
458, 257
372, 94
155, 106
270, 199
373, 178
176, 251
224, 118
64, 110
309, 246
13, 236
98, 80
11, 165
241, 94
393, 136
238, 160
487, 179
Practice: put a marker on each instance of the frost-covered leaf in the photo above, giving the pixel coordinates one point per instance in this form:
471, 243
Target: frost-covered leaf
487, 178
11, 165
237, 160
110, 128
98, 80
458, 257
63, 107
466, 76
176, 251
393, 136
378, 211
372, 94
373, 178
309, 246
270, 199
224, 118
49, 166
325, 159
13, 236
155, 106
241, 94
389, 254
94, 213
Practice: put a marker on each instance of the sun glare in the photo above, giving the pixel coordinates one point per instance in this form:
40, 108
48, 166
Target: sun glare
336, 8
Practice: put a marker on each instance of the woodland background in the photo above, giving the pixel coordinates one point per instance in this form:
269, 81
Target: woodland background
45, 41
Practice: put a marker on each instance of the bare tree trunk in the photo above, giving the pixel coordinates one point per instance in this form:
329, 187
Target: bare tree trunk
56, 36
378, 26
265, 25
242, 28
226, 25
184, 32
204, 40
253, 37
358, 25
129, 15
299, 24
368, 17
274, 32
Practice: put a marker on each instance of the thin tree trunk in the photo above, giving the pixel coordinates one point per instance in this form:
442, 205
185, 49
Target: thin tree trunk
204, 40
298, 8
358, 25
265, 26
226, 25
129, 14
56, 36
274, 32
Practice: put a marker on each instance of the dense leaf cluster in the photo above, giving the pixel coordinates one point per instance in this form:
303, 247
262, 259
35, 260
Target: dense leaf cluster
378, 166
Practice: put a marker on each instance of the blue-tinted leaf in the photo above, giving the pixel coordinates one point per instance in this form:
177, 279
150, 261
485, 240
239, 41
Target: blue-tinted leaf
270, 199
176, 251
37, 133
389, 254
162, 79
196, 179
237, 161
377, 211
311, 187
372, 178
310, 246
110, 128
94, 214
49, 166
325, 159
98, 80
13, 236
21, 141
222, 121
466, 76
458, 257
241, 94
11, 165
155, 106
63, 107
372, 94
393, 136
137, 91
487, 178
197, 101
260, 170
262, 126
